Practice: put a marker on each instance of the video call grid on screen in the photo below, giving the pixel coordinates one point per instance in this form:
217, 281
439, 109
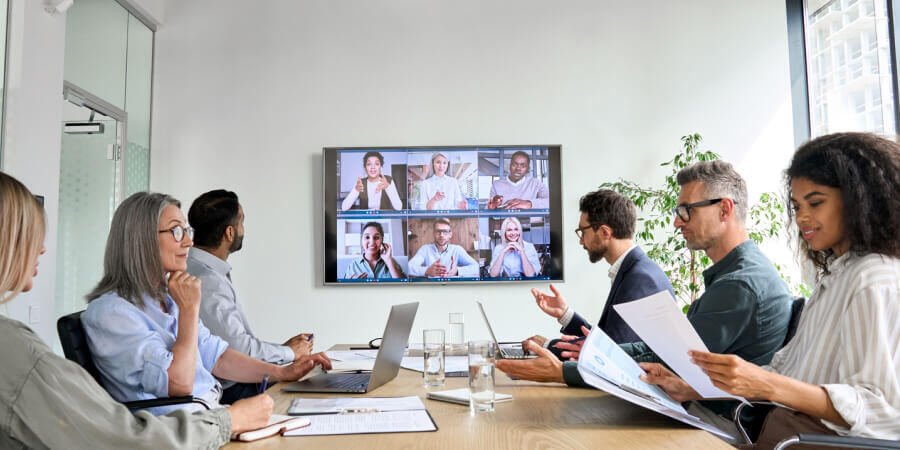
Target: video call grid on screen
495, 210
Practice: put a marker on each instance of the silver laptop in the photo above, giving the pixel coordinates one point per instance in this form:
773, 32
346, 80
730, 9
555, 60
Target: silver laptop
387, 363
505, 350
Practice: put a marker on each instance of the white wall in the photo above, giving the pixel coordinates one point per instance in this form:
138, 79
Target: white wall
33, 131
246, 97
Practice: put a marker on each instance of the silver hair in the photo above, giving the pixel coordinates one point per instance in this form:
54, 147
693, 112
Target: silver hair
719, 180
132, 267
507, 220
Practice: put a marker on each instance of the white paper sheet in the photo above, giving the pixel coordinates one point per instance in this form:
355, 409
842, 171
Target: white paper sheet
662, 326
597, 354
351, 355
451, 363
302, 406
352, 366
383, 422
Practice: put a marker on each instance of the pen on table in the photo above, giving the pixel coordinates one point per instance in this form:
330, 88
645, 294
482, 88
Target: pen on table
264, 384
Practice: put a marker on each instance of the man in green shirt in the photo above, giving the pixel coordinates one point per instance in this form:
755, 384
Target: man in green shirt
746, 306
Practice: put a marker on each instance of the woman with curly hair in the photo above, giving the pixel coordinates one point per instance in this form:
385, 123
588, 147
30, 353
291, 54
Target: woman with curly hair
840, 374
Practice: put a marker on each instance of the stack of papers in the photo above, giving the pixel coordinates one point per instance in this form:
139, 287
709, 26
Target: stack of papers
451, 363
355, 415
461, 396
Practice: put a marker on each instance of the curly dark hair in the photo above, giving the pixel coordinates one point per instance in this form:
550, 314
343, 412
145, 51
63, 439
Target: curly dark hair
610, 208
866, 169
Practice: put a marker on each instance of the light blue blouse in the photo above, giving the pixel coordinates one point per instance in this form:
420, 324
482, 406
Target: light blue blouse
132, 349
512, 261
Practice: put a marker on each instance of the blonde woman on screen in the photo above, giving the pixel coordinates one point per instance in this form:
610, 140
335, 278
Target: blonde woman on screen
514, 257
441, 191
34, 408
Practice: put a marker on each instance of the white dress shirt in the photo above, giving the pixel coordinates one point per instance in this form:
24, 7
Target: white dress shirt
222, 312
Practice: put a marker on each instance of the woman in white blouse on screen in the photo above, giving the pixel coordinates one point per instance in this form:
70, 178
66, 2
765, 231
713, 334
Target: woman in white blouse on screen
514, 257
441, 190
840, 374
377, 191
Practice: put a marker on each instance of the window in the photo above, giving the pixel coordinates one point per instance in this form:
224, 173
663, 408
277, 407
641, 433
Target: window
843, 66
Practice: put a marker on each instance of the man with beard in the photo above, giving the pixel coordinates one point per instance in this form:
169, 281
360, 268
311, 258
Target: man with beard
218, 221
606, 231
518, 190
746, 306
442, 259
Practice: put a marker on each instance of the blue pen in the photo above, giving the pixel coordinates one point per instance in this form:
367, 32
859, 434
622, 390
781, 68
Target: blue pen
264, 384
309, 338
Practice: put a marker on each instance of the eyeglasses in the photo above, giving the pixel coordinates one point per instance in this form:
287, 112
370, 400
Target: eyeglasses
179, 231
442, 231
683, 211
580, 230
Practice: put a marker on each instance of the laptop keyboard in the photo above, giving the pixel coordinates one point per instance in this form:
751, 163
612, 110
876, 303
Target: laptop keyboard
347, 381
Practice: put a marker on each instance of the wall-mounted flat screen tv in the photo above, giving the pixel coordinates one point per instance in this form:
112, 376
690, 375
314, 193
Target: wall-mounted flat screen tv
423, 215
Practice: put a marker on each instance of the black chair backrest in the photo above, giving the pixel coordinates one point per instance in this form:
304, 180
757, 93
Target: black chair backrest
796, 310
74, 343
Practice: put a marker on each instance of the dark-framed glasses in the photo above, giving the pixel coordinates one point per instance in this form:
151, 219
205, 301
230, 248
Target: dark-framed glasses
683, 211
580, 230
179, 231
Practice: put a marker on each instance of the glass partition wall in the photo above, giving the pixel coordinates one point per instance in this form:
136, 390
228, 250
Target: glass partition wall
105, 154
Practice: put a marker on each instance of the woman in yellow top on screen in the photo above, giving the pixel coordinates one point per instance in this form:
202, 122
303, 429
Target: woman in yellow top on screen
514, 257
441, 191
371, 191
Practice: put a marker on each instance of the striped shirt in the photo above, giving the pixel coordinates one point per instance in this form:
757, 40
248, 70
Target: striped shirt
848, 342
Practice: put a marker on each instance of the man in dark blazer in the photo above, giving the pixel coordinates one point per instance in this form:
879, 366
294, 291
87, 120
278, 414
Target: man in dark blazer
606, 231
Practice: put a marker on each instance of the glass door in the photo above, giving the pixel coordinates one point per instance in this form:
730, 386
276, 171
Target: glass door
89, 187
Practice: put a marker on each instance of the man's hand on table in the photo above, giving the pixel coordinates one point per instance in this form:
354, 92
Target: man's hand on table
545, 368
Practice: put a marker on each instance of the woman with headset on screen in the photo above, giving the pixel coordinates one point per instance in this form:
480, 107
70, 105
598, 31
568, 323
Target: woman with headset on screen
377, 260
441, 191
50, 402
371, 191
514, 257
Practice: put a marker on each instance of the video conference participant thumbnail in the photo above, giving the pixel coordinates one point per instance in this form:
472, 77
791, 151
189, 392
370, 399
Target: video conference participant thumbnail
518, 189
371, 188
439, 253
442, 180
378, 254
519, 245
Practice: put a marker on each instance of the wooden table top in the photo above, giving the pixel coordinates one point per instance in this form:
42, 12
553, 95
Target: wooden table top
542, 415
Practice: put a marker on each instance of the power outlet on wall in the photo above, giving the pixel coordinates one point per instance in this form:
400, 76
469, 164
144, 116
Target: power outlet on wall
34, 314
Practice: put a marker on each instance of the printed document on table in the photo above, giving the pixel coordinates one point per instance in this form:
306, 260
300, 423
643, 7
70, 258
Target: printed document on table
662, 326
335, 405
605, 366
451, 363
351, 355
381, 422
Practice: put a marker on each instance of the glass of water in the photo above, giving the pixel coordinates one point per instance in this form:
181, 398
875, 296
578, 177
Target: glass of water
457, 336
481, 376
433, 370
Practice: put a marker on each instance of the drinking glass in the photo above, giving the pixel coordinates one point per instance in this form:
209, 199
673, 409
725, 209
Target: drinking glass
481, 376
433, 370
457, 335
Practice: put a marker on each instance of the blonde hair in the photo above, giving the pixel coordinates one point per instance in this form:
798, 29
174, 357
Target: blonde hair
503, 225
21, 235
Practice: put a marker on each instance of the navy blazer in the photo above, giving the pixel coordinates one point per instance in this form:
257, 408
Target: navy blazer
638, 277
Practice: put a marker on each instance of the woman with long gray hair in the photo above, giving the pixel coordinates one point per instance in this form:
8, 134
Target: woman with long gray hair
49, 402
143, 323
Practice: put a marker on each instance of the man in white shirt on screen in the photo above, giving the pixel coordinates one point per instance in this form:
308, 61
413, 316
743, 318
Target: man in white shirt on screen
218, 220
442, 259
518, 190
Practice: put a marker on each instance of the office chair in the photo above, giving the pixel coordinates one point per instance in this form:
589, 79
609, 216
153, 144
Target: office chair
804, 438
75, 347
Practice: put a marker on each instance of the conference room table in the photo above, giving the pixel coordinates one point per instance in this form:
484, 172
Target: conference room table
541, 415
